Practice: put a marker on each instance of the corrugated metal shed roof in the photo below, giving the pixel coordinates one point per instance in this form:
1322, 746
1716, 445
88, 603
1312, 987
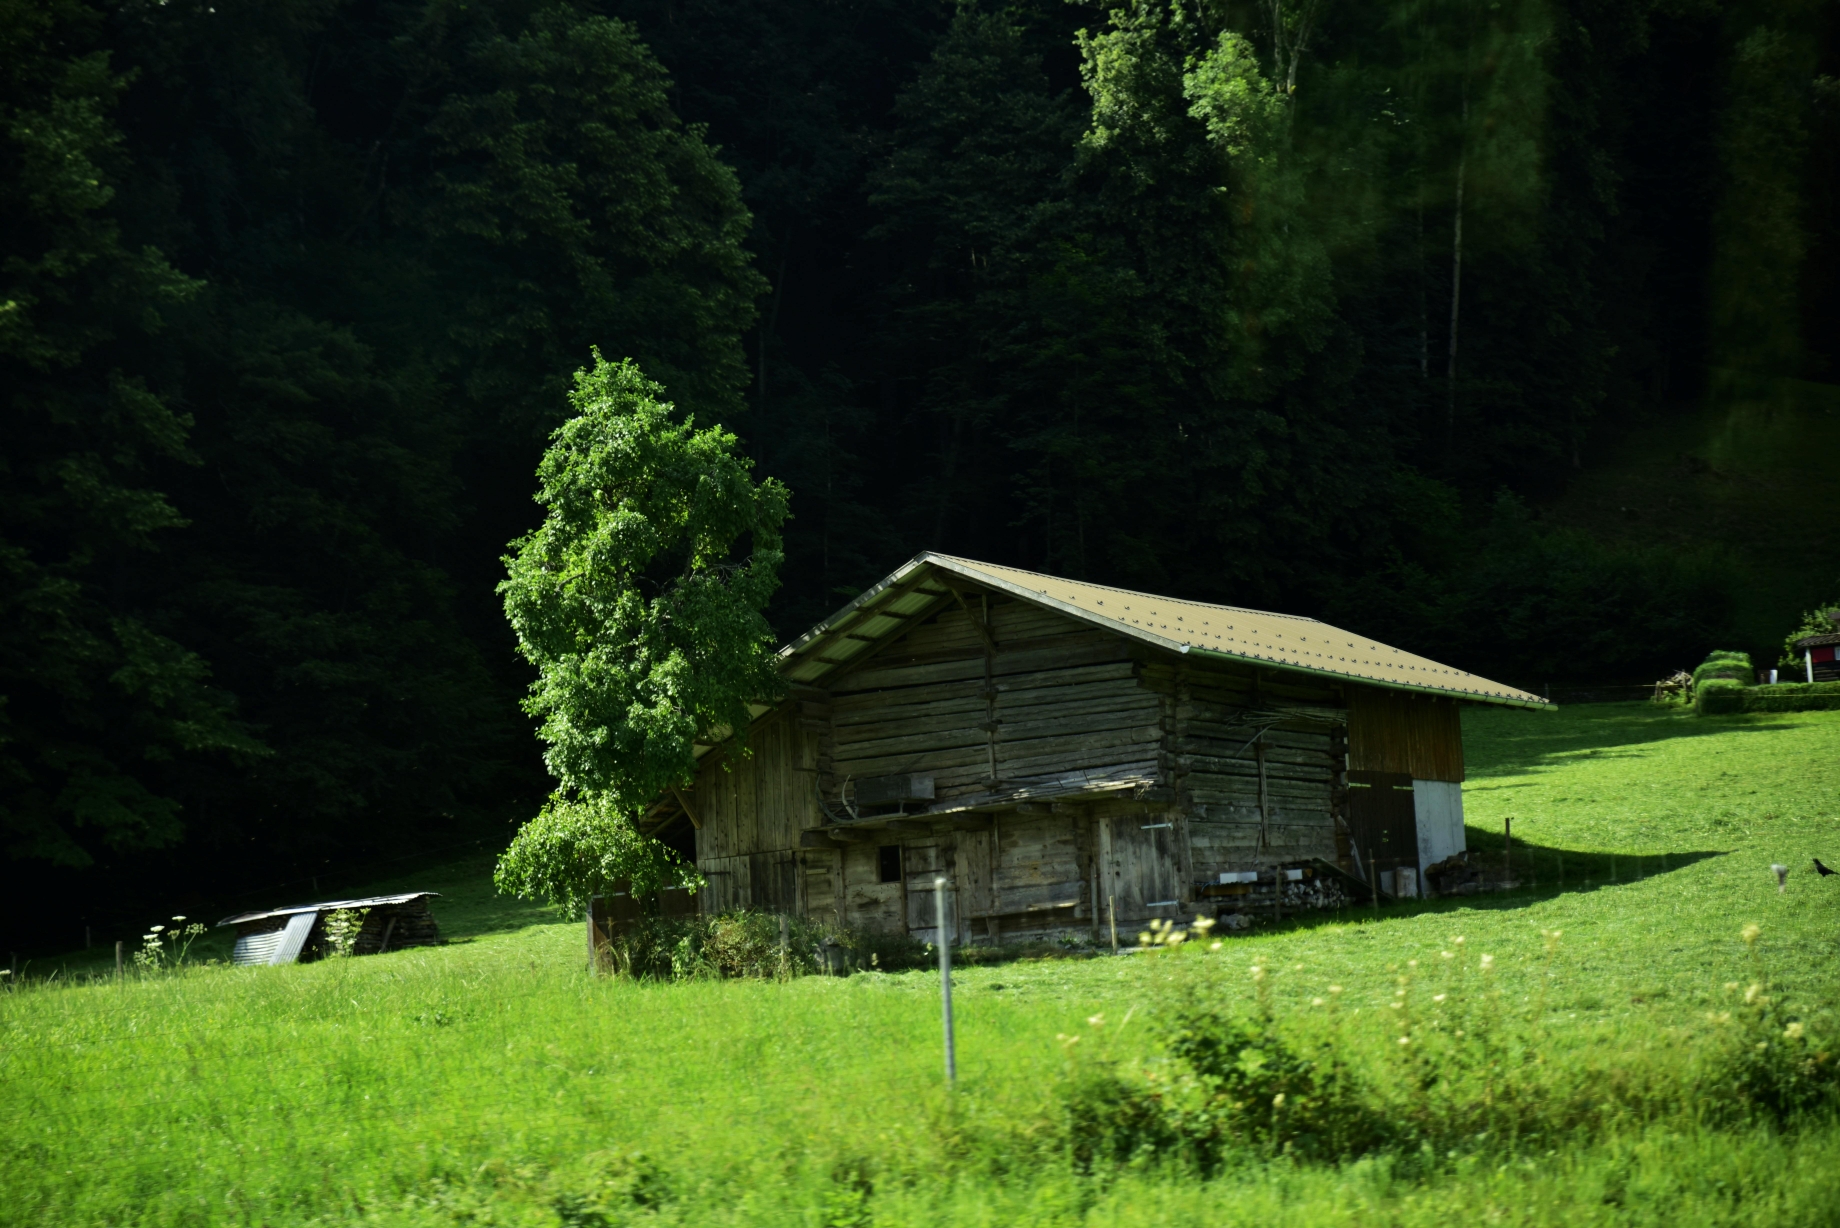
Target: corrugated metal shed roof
927, 581
328, 906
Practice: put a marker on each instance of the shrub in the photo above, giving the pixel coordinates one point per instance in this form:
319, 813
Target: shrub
748, 944
1718, 697
1732, 665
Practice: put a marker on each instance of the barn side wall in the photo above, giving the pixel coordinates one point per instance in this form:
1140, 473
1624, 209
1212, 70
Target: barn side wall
1420, 736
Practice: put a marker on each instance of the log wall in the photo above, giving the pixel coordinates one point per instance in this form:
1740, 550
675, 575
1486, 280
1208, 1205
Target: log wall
1156, 771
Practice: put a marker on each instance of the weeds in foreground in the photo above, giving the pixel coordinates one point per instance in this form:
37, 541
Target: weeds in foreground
165, 949
1452, 1073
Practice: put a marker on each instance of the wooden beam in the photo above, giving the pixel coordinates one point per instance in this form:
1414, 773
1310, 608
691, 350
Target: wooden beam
976, 621
688, 810
816, 840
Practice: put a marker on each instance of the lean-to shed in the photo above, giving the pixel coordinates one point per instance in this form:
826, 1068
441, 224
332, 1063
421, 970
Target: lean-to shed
297, 932
1071, 756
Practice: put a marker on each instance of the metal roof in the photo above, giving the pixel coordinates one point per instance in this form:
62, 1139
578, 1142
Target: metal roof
328, 906
926, 582
1818, 641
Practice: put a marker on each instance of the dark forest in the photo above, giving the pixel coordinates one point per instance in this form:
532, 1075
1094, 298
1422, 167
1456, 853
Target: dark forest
1304, 305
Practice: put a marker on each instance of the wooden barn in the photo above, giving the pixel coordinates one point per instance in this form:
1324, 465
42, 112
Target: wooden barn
1073, 757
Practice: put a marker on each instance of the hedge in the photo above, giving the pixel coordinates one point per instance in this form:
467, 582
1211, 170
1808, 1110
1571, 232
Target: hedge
1722, 696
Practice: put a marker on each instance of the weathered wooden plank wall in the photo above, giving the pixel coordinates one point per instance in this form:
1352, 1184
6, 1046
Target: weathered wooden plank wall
1396, 731
1218, 780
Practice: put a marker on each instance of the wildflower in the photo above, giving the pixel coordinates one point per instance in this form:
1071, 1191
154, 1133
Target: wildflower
1216, 946
1751, 933
1457, 941
1731, 987
1488, 963
1258, 972
1277, 1101
1411, 963
1204, 924
1405, 1040
154, 930
1753, 993
1438, 997
1335, 989
178, 918
1445, 955
1097, 1021
1319, 1002
1143, 939
1794, 1030
1176, 939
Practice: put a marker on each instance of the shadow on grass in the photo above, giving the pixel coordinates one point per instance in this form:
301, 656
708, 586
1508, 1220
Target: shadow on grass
1537, 873
1512, 743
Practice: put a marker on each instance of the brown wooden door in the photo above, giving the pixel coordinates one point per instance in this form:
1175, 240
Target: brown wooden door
1381, 819
1138, 867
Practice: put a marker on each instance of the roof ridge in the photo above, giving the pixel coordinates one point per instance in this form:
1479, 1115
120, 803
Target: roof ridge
1130, 592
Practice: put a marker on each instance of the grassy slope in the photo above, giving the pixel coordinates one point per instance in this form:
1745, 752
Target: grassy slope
418, 1086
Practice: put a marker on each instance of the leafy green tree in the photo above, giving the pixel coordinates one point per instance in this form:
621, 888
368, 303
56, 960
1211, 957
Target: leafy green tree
96, 698
639, 603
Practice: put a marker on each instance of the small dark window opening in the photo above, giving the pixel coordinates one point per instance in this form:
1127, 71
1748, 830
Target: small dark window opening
890, 856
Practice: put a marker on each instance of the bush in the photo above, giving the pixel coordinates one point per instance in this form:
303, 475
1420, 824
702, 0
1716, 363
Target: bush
747, 944
1719, 697
1731, 665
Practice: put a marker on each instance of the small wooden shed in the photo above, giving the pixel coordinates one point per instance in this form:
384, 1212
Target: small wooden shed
1073, 757
1821, 653
297, 932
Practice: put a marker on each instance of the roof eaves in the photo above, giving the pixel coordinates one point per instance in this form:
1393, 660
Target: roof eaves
1417, 688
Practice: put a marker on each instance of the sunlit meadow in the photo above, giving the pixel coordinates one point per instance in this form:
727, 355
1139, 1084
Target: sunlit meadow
1562, 1052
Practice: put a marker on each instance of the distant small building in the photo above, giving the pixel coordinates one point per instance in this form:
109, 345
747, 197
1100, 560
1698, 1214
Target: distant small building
297, 933
1821, 654
1071, 756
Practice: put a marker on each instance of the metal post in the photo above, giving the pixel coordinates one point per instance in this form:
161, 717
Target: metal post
118, 958
1507, 847
1373, 878
945, 978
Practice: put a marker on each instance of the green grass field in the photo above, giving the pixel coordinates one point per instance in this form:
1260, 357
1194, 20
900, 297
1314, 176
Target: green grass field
491, 1081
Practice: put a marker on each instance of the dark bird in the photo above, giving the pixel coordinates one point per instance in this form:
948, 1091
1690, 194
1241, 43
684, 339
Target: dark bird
1823, 870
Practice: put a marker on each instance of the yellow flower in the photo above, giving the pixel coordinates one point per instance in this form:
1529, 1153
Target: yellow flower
1751, 933
1753, 993
1277, 1101
1488, 963
1794, 1030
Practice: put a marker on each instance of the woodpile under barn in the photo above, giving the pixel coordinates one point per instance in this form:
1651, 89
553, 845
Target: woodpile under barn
1073, 758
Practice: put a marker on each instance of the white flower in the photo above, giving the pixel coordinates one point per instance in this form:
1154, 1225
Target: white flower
1794, 1030
156, 929
1488, 963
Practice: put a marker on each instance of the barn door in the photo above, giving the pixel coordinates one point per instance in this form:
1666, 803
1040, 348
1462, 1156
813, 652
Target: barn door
1138, 863
920, 865
1382, 820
